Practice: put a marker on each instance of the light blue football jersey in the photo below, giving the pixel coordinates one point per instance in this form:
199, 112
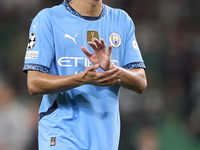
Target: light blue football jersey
86, 117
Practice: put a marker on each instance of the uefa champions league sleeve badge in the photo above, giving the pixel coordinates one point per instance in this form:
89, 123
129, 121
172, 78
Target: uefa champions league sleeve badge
115, 39
32, 41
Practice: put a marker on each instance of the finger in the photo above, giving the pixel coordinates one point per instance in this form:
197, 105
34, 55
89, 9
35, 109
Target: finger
109, 75
110, 49
112, 71
111, 83
98, 44
93, 45
103, 43
93, 67
92, 71
102, 79
115, 76
85, 51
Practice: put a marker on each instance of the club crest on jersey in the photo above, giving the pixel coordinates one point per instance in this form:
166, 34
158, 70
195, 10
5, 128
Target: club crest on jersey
91, 35
115, 39
32, 41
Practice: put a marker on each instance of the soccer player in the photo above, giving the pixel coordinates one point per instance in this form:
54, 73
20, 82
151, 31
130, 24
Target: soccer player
79, 54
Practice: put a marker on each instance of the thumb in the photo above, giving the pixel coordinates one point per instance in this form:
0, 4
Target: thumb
85, 51
96, 66
93, 67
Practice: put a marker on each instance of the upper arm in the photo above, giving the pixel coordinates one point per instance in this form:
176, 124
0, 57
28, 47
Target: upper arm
132, 57
40, 49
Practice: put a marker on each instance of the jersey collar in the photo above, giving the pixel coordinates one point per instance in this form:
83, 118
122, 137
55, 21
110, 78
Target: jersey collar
74, 12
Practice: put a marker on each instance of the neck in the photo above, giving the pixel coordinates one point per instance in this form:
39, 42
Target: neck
91, 8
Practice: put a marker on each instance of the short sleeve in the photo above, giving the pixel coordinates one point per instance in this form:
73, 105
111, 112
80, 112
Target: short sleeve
132, 56
40, 49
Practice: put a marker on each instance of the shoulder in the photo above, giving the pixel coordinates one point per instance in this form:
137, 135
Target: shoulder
120, 17
118, 13
48, 13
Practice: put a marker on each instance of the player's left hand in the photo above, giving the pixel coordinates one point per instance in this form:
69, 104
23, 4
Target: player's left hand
101, 55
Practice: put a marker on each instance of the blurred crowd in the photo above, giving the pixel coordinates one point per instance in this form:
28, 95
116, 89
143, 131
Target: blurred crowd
165, 117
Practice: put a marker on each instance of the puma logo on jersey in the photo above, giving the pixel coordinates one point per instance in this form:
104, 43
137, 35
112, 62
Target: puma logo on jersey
68, 36
34, 26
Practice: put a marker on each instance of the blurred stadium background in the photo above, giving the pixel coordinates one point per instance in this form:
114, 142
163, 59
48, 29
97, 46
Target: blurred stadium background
165, 117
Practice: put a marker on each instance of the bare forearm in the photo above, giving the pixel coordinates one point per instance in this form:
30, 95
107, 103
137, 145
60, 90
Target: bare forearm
134, 79
41, 83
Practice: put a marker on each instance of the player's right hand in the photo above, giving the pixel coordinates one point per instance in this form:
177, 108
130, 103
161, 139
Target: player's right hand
106, 78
